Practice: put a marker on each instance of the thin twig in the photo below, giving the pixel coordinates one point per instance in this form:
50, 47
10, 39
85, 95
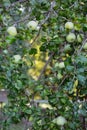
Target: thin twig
83, 43
43, 22
72, 6
45, 66
15, 3
22, 20
59, 86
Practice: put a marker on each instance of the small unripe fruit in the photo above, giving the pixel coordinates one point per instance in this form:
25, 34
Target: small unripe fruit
12, 31
16, 58
67, 48
69, 25
71, 37
59, 76
79, 38
56, 65
61, 65
60, 120
85, 46
5, 51
32, 25
38, 27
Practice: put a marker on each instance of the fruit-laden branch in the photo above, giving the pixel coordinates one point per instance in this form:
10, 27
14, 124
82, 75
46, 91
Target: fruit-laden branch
27, 17
41, 27
22, 20
45, 66
44, 21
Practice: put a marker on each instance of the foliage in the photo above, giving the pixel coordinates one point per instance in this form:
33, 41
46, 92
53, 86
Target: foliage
64, 88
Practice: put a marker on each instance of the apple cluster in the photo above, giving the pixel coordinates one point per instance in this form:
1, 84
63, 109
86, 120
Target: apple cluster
32, 25
71, 37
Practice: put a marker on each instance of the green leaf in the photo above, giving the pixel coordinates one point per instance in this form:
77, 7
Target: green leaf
81, 79
70, 68
33, 51
81, 59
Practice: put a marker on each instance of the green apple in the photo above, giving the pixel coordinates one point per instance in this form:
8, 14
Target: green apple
80, 38
60, 121
61, 65
85, 46
56, 65
32, 25
71, 37
38, 28
12, 31
69, 25
59, 76
5, 51
67, 48
16, 58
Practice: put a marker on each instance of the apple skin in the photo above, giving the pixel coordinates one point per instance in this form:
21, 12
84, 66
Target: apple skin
38, 28
16, 58
32, 25
79, 38
5, 51
61, 65
59, 76
60, 120
56, 65
12, 31
69, 25
70, 37
85, 46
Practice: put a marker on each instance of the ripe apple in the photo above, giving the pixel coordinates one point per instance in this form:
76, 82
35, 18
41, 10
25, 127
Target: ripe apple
67, 48
12, 31
60, 120
85, 46
69, 25
32, 25
61, 65
71, 37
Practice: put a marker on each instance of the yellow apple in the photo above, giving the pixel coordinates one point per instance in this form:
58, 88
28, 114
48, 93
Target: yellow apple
12, 31
71, 37
69, 25
32, 25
